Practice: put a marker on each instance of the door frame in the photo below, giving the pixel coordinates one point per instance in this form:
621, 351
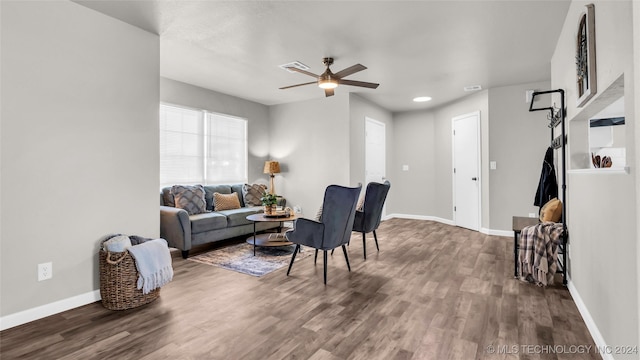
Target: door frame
479, 162
368, 119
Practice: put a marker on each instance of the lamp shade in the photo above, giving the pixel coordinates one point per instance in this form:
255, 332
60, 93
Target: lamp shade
271, 167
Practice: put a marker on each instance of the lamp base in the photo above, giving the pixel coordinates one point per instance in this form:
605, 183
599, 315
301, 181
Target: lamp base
273, 188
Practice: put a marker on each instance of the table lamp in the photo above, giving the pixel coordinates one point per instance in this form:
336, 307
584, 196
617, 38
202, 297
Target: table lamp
271, 168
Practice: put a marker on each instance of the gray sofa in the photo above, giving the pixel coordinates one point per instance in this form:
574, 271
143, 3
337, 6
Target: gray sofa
183, 231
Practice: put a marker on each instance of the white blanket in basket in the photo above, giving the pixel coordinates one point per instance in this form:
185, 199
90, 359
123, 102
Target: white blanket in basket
153, 262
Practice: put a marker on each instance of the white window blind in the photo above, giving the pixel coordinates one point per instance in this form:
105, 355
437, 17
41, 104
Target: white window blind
199, 147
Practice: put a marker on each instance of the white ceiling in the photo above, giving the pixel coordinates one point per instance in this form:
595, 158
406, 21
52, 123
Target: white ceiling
411, 48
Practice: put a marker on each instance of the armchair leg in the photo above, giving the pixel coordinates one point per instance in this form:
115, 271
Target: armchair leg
346, 257
293, 257
185, 254
325, 267
364, 245
332, 252
315, 259
375, 237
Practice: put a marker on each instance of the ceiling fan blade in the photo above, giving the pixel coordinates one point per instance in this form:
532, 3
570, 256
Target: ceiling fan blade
291, 86
350, 70
303, 71
358, 83
328, 92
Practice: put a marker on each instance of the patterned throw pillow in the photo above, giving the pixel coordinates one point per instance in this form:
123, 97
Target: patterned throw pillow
189, 198
252, 194
225, 201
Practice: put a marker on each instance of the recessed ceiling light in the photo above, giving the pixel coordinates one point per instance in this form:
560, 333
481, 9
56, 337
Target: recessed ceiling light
473, 88
422, 98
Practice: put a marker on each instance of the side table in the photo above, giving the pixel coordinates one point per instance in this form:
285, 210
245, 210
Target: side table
268, 239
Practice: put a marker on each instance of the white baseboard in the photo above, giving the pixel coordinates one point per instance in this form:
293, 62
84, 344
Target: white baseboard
508, 233
419, 217
43, 311
588, 320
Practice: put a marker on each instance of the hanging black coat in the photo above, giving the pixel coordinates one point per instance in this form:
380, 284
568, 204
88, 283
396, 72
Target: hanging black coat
548, 185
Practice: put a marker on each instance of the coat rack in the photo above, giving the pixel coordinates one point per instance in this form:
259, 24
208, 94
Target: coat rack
557, 117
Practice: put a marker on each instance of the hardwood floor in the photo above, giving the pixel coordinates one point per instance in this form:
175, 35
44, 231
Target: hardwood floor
432, 292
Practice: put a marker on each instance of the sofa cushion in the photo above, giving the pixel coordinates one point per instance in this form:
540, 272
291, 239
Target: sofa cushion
252, 194
238, 217
225, 202
207, 221
189, 198
167, 197
237, 189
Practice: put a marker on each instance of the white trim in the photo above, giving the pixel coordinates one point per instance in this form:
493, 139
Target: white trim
43, 311
508, 233
623, 170
588, 320
420, 217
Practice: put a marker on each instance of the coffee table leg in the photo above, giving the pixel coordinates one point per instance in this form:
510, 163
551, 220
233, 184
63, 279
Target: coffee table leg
254, 238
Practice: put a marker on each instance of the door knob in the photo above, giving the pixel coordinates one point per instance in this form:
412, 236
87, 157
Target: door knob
474, 178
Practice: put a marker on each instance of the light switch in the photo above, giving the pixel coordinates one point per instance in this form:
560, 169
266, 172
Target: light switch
492, 165
405, 167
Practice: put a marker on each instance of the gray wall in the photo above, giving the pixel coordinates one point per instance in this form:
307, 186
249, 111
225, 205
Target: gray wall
510, 135
423, 141
602, 207
443, 152
257, 115
311, 141
518, 140
414, 145
79, 145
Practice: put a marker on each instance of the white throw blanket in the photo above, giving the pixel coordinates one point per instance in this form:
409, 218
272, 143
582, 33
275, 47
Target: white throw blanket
153, 261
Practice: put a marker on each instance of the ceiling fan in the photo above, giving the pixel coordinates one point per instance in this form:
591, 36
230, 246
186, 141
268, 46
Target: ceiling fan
329, 81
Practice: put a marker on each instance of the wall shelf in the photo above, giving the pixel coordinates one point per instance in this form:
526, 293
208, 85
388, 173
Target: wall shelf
602, 171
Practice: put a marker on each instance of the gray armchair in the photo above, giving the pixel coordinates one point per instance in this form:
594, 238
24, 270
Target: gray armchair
334, 230
368, 219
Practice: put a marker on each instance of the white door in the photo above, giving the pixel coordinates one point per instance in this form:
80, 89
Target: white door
466, 171
374, 153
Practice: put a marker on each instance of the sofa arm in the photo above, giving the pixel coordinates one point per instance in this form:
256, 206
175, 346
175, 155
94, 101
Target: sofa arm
281, 201
175, 227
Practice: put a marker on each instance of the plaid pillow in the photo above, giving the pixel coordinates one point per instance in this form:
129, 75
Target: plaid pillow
189, 198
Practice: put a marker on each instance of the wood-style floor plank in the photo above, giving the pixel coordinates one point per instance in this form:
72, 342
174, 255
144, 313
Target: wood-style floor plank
433, 291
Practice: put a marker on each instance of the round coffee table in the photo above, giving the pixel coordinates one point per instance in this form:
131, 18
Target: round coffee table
268, 239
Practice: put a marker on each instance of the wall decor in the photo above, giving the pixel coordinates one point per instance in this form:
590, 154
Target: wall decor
586, 79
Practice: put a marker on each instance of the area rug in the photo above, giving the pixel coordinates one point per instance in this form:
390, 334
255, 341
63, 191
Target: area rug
239, 257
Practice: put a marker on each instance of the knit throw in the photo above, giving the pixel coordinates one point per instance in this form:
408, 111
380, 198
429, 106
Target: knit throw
153, 262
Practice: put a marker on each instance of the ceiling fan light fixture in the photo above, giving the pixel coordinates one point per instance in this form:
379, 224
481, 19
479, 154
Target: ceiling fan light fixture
328, 83
422, 98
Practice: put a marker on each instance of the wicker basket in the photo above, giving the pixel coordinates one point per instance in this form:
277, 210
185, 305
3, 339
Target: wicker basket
118, 279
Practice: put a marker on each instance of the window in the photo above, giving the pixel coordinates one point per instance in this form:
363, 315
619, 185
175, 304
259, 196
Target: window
199, 147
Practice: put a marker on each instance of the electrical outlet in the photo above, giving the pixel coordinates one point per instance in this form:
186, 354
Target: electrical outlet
297, 209
45, 271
